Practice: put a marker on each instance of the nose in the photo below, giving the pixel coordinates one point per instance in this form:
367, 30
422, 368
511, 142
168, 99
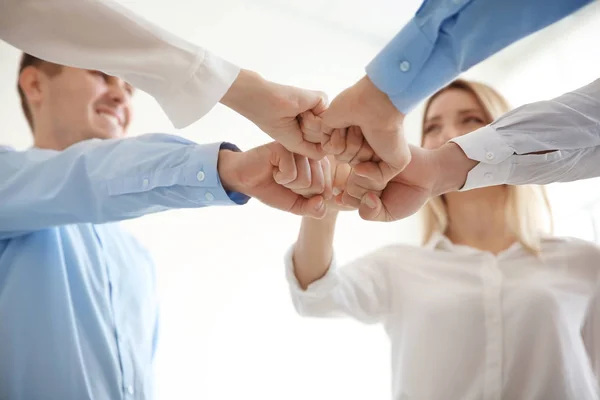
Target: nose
117, 93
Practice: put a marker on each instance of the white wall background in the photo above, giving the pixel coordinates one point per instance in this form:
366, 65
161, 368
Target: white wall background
228, 327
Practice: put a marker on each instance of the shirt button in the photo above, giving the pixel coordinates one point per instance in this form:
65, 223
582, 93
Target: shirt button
130, 389
209, 196
200, 176
404, 66
490, 155
488, 176
146, 182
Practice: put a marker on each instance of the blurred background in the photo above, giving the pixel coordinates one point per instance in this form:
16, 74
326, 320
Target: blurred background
228, 329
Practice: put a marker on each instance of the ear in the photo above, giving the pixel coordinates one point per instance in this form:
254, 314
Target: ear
30, 84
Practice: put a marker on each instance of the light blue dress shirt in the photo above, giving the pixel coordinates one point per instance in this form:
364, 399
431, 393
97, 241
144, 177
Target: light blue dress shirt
78, 312
447, 37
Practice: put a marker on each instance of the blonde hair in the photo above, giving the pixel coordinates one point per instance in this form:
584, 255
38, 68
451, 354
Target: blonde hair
528, 211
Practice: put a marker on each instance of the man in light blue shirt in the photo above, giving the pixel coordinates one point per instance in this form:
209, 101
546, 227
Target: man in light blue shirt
78, 309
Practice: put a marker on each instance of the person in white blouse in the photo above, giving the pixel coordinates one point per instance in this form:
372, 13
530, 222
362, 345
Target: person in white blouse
490, 307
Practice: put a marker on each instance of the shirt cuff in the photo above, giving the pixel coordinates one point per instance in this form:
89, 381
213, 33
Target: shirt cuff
236, 197
494, 155
410, 68
210, 78
196, 179
318, 288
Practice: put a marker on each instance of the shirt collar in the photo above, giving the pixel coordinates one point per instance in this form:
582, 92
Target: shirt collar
439, 241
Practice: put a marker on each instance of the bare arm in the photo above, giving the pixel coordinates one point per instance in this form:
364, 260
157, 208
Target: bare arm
314, 249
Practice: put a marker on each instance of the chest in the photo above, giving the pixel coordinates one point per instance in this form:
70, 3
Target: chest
472, 292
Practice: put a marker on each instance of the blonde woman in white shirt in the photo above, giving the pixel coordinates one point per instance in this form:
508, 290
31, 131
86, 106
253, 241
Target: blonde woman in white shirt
489, 307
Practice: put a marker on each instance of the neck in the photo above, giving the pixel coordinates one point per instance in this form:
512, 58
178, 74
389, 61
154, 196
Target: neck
43, 139
477, 219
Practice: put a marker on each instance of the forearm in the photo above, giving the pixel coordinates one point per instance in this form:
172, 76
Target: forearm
313, 251
101, 181
248, 87
187, 80
548, 141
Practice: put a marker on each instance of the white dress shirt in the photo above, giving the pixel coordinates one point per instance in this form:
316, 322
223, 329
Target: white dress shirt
185, 79
467, 325
569, 123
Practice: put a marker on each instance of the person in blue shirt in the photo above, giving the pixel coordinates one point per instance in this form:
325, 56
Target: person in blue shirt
78, 309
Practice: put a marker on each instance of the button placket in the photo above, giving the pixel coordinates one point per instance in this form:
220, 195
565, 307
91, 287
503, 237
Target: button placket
492, 279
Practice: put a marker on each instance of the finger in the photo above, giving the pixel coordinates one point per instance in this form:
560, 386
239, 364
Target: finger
371, 208
326, 142
311, 127
376, 171
328, 177
312, 100
285, 199
348, 200
354, 141
283, 161
293, 140
357, 186
313, 207
365, 153
340, 179
311, 150
303, 176
317, 181
336, 143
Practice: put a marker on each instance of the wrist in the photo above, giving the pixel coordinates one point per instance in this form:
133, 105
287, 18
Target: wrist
453, 167
228, 170
245, 89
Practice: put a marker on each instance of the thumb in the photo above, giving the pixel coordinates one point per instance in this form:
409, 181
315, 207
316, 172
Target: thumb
371, 208
376, 171
313, 207
336, 116
312, 100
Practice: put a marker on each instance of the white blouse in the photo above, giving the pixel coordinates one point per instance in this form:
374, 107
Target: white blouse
467, 325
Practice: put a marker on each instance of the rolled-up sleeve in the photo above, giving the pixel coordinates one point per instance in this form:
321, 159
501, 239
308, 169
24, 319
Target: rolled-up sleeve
358, 290
100, 181
447, 37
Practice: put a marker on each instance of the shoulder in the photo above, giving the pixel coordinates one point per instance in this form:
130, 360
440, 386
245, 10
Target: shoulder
570, 245
571, 251
6, 149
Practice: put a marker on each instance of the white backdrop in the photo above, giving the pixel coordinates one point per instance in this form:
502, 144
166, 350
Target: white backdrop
228, 327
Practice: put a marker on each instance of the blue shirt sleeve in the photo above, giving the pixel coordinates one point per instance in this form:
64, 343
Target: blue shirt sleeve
99, 181
447, 37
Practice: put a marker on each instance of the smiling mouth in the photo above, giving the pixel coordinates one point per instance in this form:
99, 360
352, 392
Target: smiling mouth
111, 116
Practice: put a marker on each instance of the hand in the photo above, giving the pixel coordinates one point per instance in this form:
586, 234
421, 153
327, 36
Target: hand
430, 173
336, 175
362, 126
263, 171
276, 110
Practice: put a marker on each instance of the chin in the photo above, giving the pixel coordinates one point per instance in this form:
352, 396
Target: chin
108, 134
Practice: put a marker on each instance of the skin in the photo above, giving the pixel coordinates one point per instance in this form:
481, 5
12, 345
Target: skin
75, 105
476, 217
